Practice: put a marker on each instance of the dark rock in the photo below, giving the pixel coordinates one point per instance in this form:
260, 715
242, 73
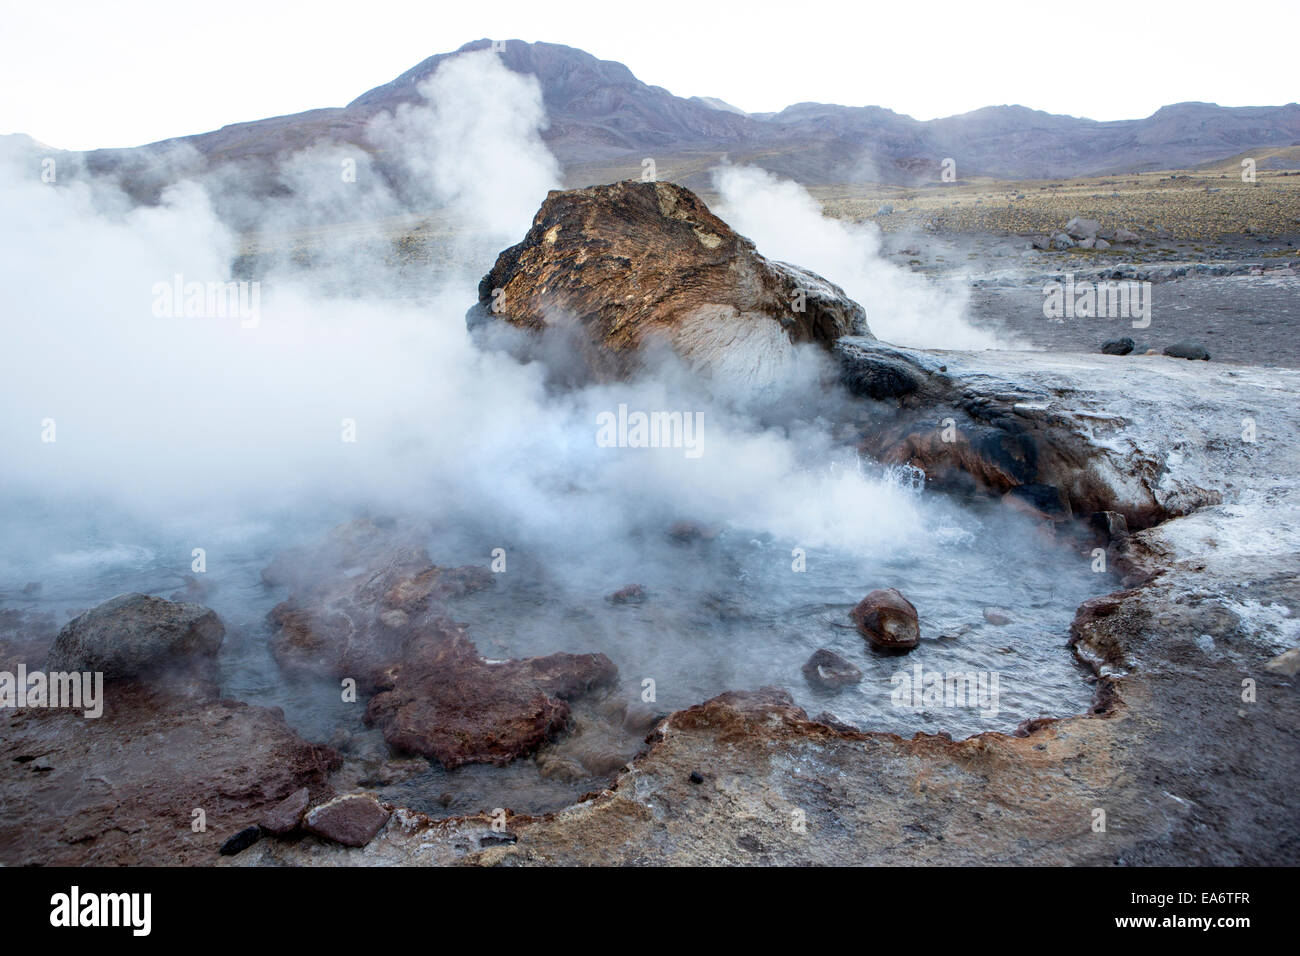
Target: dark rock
697, 777
830, 671
1188, 350
1110, 523
352, 820
134, 636
498, 839
240, 842
286, 815
1121, 346
888, 620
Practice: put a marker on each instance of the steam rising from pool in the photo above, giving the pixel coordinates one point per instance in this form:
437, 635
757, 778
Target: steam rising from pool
132, 439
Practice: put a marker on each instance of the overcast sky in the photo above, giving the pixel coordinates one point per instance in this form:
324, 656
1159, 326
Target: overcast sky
78, 75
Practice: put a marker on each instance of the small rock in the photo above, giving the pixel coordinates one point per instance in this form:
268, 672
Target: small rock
240, 841
1062, 241
1125, 235
830, 671
1100, 243
996, 617
630, 594
1287, 664
352, 820
1121, 346
697, 777
1188, 350
888, 620
285, 816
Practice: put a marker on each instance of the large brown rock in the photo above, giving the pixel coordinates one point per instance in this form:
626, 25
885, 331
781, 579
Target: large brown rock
631, 263
888, 620
447, 702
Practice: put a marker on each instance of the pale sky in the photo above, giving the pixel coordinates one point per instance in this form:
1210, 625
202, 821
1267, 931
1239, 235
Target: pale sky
80, 74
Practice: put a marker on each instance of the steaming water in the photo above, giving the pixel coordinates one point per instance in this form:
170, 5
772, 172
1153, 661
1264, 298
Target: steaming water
721, 613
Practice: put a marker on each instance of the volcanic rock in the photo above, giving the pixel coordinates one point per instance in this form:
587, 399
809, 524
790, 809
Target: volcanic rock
1120, 346
622, 266
888, 620
446, 702
830, 671
134, 636
285, 816
352, 820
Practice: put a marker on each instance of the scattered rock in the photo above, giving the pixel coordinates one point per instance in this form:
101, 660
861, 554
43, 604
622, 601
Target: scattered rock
240, 842
830, 671
1188, 350
888, 620
352, 820
1120, 346
134, 636
285, 816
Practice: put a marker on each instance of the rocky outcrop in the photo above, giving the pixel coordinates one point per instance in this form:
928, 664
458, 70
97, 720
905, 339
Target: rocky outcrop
159, 779
1068, 435
134, 636
621, 267
447, 702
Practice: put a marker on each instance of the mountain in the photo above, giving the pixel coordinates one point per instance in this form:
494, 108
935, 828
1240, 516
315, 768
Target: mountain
603, 120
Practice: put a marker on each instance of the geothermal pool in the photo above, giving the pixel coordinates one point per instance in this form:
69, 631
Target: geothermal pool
724, 610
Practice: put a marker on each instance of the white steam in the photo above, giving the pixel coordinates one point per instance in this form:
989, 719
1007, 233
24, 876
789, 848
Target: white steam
786, 223
203, 419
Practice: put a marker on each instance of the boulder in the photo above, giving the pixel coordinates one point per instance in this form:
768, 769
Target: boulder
1188, 350
888, 620
1120, 346
352, 820
135, 636
1062, 241
618, 267
830, 671
1126, 235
